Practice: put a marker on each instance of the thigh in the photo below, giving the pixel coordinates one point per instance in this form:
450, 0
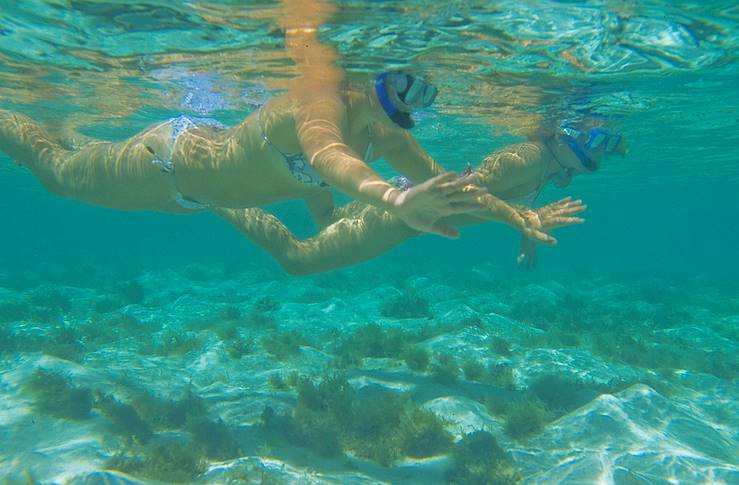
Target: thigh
122, 175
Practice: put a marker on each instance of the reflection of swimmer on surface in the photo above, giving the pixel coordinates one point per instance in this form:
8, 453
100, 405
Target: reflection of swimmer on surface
516, 172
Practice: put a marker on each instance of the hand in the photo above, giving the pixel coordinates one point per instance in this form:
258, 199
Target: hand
531, 227
560, 213
551, 216
423, 205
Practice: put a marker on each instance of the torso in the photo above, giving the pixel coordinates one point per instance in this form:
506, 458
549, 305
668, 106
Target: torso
238, 168
519, 173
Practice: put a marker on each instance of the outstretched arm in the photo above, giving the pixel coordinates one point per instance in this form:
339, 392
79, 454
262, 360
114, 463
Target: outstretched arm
411, 160
366, 233
321, 117
362, 233
321, 123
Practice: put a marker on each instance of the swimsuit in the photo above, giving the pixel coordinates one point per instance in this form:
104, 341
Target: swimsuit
181, 124
299, 167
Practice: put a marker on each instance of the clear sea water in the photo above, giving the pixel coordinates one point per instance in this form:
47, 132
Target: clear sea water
168, 349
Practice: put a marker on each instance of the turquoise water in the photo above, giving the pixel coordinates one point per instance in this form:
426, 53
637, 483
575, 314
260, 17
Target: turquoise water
152, 344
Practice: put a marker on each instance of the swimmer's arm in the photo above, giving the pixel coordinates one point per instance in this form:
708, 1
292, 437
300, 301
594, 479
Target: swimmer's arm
510, 167
500, 172
410, 159
367, 234
361, 233
406, 156
319, 124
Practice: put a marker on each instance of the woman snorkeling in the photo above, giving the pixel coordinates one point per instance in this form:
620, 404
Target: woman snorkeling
295, 146
516, 172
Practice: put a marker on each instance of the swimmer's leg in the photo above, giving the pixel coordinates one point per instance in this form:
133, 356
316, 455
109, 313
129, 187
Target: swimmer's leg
117, 175
369, 233
26, 142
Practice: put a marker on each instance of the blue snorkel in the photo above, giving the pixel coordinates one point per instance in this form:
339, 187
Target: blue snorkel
596, 138
400, 118
585, 160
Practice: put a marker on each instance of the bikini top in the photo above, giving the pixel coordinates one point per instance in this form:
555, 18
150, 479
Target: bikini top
299, 166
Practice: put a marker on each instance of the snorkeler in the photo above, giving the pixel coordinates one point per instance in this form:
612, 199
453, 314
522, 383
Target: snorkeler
295, 146
287, 149
292, 147
517, 172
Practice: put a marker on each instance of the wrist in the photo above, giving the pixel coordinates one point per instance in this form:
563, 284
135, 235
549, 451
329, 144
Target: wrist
392, 199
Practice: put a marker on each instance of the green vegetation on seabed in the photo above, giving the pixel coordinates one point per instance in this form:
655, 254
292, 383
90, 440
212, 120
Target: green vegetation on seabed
284, 345
331, 418
373, 341
478, 460
54, 394
147, 453
409, 304
633, 329
445, 370
205, 438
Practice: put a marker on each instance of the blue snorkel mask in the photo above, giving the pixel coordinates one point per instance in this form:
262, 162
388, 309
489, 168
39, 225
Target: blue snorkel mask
400, 93
580, 142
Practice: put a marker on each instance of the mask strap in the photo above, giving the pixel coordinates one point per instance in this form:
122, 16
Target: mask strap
586, 161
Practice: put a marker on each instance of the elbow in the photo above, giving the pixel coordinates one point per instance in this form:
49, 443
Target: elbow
294, 265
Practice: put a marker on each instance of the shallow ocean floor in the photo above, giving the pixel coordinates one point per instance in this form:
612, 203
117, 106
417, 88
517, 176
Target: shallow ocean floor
201, 375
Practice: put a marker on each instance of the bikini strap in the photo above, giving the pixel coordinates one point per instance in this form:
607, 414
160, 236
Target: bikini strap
264, 134
370, 152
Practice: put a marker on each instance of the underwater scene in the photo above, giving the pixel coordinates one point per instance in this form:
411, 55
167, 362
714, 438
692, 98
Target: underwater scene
157, 330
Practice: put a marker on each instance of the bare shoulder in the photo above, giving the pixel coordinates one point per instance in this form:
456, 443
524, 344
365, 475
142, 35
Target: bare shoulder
510, 163
516, 155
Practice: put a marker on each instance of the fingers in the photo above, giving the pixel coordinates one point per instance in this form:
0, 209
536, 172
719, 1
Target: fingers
541, 237
562, 210
471, 195
575, 209
550, 223
440, 180
555, 222
462, 208
563, 203
450, 187
564, 213
573, 205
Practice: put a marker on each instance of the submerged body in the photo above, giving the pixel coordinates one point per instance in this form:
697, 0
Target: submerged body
361, 232
211, 165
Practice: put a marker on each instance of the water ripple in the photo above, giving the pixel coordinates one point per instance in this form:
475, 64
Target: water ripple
502, 67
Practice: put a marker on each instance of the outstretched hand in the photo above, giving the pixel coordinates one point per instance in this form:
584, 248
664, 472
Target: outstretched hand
422, 206
552, 216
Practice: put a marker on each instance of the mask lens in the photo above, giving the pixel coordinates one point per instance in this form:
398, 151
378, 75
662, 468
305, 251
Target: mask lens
612, 143
414, 96
429, 95
400, 82
596, 140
